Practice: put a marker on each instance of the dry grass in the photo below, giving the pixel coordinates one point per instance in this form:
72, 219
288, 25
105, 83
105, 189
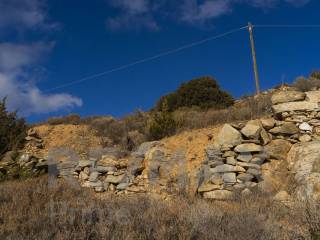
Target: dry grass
245, 109
31, 210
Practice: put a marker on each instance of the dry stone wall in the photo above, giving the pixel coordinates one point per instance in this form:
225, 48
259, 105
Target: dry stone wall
242, 152
241, 159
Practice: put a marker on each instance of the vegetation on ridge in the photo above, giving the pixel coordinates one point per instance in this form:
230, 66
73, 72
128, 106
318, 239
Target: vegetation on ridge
203, 92
12, 129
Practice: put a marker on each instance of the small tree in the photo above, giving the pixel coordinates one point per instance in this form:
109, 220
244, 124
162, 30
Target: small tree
12, 129
162, 123
202, 92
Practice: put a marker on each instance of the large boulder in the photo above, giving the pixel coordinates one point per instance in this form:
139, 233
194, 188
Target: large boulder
228, 136
304, 161
278, 149
287, 96
252, 129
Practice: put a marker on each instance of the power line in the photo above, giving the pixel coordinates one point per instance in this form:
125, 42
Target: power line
179, 49
285, 26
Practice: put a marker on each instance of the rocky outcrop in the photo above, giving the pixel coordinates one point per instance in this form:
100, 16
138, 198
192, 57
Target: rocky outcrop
304, 162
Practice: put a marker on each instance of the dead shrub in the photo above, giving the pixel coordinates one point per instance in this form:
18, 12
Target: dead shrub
305, 84
73, 119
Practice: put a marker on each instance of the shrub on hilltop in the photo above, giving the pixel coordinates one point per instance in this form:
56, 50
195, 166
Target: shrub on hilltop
203, 92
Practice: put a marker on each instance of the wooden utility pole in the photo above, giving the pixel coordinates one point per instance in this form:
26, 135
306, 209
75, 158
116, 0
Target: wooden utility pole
254, 58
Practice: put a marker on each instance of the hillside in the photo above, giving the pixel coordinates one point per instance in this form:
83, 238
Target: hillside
270, 160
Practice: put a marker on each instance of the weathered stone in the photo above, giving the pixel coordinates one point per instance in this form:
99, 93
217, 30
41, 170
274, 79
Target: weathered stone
313, 96
295, 106
84, 163
268, 123
305, 138
116, 179
304, 161
315, 122
219, 195
254, 172
257, 160
213, 153
265, 137
101, 169
229, 178
94, 176
213, 164
207, 187
107, 161
252, 129
226, 168
122, 186
231, 161
287, 128
239, 186
228, 135
95, 184
305, 127
244, 157
249, 165
248, 147
229, 154
216, 179
287, 96
245, 177
278, 149
83, 176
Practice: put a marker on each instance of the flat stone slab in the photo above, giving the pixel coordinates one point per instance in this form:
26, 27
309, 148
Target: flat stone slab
287, 96
295, 106
248, 147
219, 195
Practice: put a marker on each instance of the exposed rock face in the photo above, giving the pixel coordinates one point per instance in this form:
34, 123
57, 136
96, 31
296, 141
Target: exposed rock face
304, 161
295, 106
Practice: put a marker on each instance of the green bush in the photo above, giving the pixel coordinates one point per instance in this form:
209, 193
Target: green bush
12, 129
162, 124
203, 92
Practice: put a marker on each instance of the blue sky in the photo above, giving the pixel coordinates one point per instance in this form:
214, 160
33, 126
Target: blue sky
45, 44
